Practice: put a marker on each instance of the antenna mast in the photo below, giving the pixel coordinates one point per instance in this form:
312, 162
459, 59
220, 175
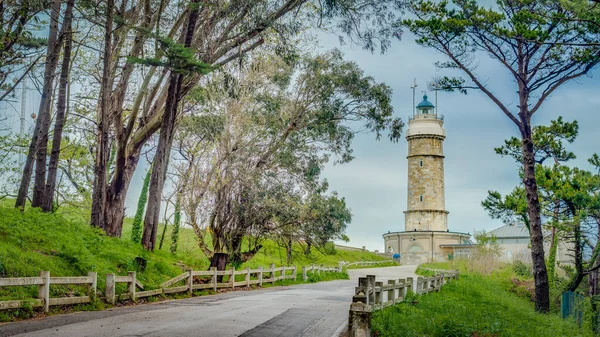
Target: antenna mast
414, 87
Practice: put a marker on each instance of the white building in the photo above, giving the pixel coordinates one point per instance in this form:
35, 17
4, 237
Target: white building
514, 242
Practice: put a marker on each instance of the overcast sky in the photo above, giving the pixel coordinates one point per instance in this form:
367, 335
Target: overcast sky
375, 183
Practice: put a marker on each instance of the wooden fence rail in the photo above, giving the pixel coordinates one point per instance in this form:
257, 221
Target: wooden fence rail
186, 282
371, 295
367, 263
43, 283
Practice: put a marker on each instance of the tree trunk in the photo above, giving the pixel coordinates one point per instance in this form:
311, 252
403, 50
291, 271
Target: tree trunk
164, 233
176, 224
161, 163
60, 109
99, 193
136, 228
594, 276
43, 113
117, 192
288, 250
540, 274
165, 141
219, 260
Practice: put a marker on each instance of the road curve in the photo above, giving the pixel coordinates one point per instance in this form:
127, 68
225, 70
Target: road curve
318, 309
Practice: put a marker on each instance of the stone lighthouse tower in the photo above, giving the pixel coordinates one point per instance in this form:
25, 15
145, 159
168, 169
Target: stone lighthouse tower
426, 209
426, 236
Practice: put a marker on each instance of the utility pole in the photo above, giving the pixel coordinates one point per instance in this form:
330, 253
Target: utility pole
414, 87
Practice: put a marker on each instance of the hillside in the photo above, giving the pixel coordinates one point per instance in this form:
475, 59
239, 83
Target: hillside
66, 245
475, 305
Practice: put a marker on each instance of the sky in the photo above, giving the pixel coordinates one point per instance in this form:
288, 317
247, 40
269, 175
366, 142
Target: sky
374, 183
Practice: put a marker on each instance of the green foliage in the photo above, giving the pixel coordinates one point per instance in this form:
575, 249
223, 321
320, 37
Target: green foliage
136, 230
522, 269
176, 225
548, 142
329, 248
177, 58
472, 306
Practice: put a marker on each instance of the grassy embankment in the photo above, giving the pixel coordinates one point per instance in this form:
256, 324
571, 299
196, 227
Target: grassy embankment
474, 306
66, 245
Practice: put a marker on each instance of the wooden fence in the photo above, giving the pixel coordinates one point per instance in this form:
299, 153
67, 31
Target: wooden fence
371, 295
43, 283
367, 263
186, 282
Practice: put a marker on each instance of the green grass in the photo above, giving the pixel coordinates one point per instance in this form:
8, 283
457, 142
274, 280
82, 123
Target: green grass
66, 245
473, 306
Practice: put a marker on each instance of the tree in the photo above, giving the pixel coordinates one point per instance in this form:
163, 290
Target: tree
39, 139
569, 197
548, 144
61, 114
98, 217
539, 44
182, 63
280, 123
227, 31
20, 47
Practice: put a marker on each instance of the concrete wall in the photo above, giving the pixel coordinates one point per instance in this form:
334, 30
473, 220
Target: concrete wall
420, 247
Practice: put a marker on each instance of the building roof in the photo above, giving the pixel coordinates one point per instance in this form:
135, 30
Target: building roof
425, 103
510, 231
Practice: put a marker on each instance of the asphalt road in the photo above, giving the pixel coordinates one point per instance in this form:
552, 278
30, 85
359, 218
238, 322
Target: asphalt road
319, 309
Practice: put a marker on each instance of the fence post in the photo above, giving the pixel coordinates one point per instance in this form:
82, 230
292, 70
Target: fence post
359, 319
371, 289
340, 267
44, 290
295, 272
272, 273
214, 278
92, 288
419, 285
403, 289
132, 285
190, 282
409, 281
391, 294
379, 294
260, 275
304, 276
232, 277
110, 289
247, 276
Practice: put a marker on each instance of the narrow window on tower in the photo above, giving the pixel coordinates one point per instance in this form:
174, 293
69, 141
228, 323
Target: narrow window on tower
421, 163
421, 198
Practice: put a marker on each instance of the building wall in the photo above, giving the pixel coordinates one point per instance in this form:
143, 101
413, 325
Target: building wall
421, 247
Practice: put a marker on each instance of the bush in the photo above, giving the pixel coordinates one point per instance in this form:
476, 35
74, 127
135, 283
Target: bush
521, 269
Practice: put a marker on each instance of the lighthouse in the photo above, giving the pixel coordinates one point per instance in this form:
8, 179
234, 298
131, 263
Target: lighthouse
426, 236
426, 208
